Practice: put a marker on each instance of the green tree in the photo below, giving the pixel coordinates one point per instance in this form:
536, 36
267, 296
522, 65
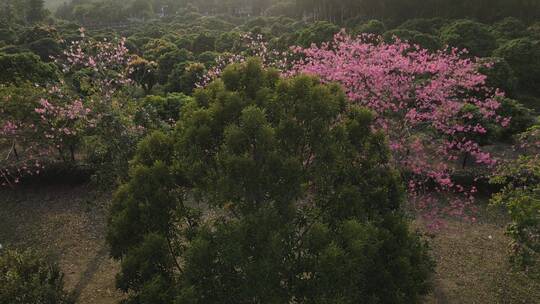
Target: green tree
143, 72
523, 55
317, 33
371, 27
185, 77
36, 11
473, 36
168, 60
269, 191
23, 67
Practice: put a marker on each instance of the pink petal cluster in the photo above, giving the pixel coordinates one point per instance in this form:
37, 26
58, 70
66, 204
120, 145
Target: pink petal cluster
419, 98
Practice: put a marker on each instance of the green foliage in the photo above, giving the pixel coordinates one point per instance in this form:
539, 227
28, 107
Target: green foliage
270, 191
46, 48
426, 41
521, 118
534, 30
8, 36
168, 60
203, 43
36, 11
165, 109
185, 77
317, 33
510, 28
155, 48
143, 72
27, 277
473, 36
500, 75
21, 67
371, 27
427, 26
38, 32
520, 195
523, 55
227, 41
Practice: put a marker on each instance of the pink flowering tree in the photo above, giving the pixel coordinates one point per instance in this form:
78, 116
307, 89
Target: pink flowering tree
434, 108
48, 123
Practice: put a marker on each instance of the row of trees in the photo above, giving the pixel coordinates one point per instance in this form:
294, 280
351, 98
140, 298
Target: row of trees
22, 11
398, 10
395, 11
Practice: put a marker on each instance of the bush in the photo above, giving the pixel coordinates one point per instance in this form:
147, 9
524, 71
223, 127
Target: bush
27, 277
269, 191
473, 36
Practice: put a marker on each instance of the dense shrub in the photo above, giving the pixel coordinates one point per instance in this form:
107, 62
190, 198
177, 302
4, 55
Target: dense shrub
269, 191
27, 277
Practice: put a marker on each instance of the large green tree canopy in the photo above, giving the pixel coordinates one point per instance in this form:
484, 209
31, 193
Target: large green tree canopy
269, 191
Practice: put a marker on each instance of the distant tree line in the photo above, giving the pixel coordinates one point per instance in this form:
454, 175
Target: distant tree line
338, 11
400, 10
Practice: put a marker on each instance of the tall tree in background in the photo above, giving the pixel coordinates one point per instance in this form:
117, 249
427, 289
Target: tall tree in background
36, 11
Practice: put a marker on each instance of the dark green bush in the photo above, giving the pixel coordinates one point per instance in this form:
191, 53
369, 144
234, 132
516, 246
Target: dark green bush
27, 277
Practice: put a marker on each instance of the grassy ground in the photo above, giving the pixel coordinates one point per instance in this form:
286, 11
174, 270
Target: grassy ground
69, 222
